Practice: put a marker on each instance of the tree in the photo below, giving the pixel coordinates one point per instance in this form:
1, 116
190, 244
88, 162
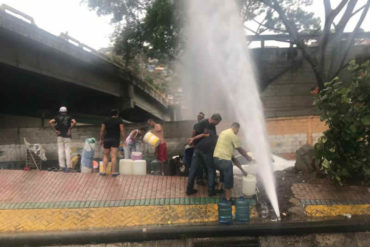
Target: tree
154, 28
331, 37
344, 105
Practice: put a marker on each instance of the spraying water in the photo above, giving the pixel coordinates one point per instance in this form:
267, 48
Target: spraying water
218, 76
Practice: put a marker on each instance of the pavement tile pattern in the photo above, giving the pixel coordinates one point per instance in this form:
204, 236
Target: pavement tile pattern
55, 201
67, 219
323, 200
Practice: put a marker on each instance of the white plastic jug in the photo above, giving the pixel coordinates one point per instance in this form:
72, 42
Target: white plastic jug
125, 166
151, 139
249, 185
139, 167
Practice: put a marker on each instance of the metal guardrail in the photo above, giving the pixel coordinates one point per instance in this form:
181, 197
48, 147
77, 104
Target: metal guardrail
12, 10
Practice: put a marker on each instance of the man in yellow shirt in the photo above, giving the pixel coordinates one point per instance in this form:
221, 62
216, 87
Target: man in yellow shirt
223, 158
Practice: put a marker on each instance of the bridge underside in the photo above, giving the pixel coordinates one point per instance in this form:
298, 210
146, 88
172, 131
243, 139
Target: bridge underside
31, 94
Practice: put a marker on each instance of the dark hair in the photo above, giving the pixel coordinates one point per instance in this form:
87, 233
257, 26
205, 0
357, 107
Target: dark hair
201, 113
236, 125
216, 117
114, 112
143, 129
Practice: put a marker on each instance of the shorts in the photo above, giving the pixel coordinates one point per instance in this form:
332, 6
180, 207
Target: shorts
111, 143
161, 152
226, 168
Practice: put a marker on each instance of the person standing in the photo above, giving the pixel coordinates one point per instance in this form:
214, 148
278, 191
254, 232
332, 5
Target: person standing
227, 143
62, 125
200, 116
205, 138
110, 134
161, 149
132, 140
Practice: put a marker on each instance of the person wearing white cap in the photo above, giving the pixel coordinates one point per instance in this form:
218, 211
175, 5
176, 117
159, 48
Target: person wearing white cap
62, 125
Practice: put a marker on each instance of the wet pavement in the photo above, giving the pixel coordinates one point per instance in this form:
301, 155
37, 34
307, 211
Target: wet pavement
42, 201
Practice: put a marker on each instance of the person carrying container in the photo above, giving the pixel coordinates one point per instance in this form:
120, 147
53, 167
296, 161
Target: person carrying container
62, 124
132, 141
110, 134
227, 143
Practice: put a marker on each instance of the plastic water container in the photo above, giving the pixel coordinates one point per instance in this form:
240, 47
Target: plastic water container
249, 185
242, 210
225, 214
155, 167
109, 167
125, 166
136, 155
151, 139
139, 167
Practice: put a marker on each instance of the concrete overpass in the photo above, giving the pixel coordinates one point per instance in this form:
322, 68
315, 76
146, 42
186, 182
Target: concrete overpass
40, 72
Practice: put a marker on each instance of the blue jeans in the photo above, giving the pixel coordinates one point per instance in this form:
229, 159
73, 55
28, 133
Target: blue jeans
129, 149
201, 159
226, 172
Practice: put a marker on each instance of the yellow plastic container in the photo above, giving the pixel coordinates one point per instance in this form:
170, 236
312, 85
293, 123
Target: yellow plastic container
108, 170
151, 139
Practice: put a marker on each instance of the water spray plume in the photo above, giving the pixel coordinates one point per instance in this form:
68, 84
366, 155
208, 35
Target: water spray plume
218, 76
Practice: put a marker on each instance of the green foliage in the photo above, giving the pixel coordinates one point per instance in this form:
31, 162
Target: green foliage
153, 27
344, 150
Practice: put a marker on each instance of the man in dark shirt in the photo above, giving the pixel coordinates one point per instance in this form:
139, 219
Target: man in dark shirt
110, 134
62, 125
205, 139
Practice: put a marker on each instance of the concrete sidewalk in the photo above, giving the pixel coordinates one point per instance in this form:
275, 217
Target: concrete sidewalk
41, 201
55, 201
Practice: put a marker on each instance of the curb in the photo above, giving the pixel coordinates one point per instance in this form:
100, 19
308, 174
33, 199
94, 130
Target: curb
356, 224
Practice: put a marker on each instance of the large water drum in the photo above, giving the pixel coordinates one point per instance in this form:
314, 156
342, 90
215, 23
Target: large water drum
151, 139
125, 166
241, 210
139, 167
249, 185
225, 215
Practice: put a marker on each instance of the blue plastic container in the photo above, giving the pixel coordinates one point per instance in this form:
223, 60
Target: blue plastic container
225, 214
242, 213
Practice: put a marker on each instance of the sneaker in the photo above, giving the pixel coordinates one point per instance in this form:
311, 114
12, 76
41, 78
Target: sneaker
191, 192
115, 174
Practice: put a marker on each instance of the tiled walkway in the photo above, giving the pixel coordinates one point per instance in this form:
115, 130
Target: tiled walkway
56, 201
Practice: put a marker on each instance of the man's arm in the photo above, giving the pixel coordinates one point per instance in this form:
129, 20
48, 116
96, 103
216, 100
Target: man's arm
191, 140
102, 130
73, 124
236, 162
244, 153
122, 130
52, 123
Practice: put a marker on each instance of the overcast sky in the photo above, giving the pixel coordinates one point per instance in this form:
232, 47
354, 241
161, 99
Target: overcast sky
56, 16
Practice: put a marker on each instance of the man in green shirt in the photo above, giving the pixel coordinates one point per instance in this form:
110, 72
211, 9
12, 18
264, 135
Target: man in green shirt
227, 142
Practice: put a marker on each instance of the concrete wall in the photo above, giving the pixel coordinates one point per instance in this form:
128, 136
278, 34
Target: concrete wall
286, 135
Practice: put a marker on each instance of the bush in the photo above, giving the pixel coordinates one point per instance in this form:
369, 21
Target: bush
344, 150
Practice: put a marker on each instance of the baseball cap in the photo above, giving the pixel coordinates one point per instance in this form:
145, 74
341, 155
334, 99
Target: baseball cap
63, 109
